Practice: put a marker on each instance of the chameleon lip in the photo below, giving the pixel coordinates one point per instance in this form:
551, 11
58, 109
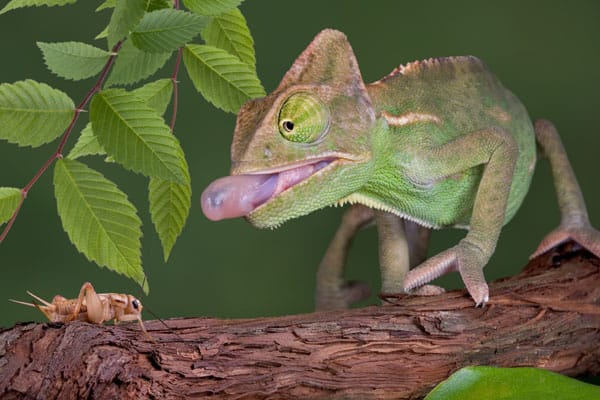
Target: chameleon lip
239, 195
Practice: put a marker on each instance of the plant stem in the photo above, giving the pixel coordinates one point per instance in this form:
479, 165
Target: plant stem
58, 152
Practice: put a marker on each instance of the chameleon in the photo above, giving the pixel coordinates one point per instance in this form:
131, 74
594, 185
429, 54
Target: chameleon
437, 143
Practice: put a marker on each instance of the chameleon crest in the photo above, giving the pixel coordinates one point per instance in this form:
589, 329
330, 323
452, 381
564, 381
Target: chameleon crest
436, 143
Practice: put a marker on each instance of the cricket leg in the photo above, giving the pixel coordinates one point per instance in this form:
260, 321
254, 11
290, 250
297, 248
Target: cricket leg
574, 222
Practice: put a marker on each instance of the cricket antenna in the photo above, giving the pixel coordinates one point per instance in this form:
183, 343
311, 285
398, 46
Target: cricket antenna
156, 316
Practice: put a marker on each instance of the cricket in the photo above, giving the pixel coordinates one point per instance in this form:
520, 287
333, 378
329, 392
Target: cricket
90, 306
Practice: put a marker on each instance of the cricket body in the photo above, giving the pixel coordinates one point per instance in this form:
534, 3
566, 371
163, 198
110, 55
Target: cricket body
435, 144
90, 306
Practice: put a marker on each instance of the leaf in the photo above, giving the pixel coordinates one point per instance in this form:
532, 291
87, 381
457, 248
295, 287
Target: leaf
211, 7
166, 30
87, 144
102, 34
156, 94
132, 65
169, 208
230, 32
13, 4
136, 136
222, 78
511, 384
106, 4
98, 218
9, 201
33, 113
126, 15
73, 60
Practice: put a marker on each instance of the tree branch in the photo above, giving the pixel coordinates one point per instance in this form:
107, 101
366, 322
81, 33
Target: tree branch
548, 316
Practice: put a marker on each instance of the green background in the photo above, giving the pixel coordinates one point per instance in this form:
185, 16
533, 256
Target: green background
548, 53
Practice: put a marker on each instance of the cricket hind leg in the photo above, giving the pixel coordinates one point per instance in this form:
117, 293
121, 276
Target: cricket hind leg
574, 222
332, 291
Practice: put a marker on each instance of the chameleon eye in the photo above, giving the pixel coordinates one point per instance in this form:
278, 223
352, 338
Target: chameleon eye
303, 118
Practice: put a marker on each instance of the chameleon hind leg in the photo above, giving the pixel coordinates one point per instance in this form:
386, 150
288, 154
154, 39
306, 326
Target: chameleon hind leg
332, 291
574, 222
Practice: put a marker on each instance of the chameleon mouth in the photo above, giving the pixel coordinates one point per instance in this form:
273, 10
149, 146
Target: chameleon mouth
238, 195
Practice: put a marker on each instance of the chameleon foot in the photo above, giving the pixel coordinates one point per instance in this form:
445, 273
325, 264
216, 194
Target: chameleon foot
342, 298
584, 234
465, 258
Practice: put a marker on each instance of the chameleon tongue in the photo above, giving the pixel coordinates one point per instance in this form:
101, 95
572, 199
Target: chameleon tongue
238, 195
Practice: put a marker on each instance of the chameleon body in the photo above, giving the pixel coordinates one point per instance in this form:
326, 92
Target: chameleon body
436, 143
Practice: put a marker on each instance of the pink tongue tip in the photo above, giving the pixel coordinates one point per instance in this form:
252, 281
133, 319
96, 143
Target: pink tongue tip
235, 196
238, 195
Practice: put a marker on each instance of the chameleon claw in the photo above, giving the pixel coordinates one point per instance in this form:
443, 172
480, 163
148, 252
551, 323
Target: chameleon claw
585, 235
465, 258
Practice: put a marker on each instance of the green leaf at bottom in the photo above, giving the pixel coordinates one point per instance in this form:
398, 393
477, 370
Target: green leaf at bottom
98, 218
490, 383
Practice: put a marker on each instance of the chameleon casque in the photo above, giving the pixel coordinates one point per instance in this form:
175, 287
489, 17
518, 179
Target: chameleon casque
437, 143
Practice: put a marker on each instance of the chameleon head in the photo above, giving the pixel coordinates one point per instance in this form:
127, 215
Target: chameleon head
294, 149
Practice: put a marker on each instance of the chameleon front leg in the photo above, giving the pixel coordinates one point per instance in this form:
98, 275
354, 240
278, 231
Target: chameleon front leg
332, 291
498, 151
574, 223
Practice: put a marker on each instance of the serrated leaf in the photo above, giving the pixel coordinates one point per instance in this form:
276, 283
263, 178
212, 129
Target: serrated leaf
169, 208
166, 30
211, 7
33, 113
102, 34
73, 60
133, 64
9, 201
156, 94
126, 15
106, 4
13, 4
230, 32
98, 218
136, 136
493, 383
87, 144
222, 78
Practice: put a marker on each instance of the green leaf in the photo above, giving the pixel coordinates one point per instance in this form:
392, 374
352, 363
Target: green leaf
102, 34
106, 4
169, 208
211, 7
230, 32
133, 64
166, 30
156, 94
98, 218
9, 201
87, 144
222, 79
475, 383
126, 15
13, 4
73, 60
33, 113
136, 136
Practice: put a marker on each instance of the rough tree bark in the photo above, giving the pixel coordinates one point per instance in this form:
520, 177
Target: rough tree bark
548, 316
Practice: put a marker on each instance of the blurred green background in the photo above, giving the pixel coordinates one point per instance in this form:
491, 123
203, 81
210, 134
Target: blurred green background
548, 53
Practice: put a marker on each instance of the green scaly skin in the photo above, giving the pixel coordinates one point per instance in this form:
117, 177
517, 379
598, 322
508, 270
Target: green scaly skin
437, 143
